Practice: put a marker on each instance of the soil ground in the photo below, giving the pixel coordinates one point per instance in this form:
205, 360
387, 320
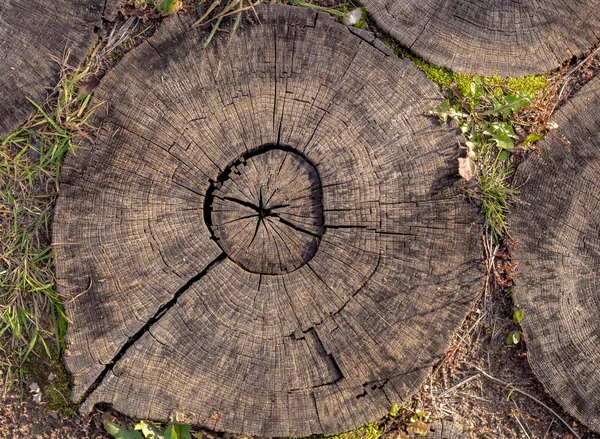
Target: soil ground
470, 388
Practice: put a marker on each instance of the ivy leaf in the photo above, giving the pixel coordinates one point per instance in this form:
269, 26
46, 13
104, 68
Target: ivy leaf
532, 138
503, 127
514, 337
441, 111
503, 141
178, 431
518, 316
504, 155
476, 89
149, 430
119, 432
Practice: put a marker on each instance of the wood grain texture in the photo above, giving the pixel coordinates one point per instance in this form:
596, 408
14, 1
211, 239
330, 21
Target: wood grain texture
34, 35
511, 38
313, 323
559, 254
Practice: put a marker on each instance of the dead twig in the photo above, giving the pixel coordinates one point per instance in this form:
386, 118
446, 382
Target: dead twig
462, 383
514, 389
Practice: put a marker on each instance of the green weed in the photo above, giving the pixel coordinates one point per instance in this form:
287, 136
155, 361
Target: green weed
164, 7
487, 111
149, 430
31, 311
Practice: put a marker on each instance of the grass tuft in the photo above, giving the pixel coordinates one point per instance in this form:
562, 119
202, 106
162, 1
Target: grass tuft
31, 312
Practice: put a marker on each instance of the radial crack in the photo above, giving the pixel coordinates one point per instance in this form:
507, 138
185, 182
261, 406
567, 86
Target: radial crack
155, 318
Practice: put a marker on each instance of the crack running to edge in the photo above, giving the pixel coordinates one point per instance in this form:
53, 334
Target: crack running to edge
155, 318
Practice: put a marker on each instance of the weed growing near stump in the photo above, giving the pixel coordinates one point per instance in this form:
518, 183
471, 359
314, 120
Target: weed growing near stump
31, 311
488, 113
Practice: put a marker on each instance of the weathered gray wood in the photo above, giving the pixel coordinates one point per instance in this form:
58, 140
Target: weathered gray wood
270, 235
32, 33
559, 257
512, 38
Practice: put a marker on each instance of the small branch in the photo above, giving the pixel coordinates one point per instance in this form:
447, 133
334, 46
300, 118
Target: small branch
462, 383
578, 66
514, 389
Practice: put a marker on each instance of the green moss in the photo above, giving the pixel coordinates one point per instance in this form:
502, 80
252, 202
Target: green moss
373, 430
444, 78
56, 392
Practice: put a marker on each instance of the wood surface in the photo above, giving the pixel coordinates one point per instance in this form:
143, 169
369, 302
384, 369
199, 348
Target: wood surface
508, 37
267, 235
558, 254
35, 35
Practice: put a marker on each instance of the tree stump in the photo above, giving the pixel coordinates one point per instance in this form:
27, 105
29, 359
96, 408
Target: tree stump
558, 253
268, 234
511, 38
34, 38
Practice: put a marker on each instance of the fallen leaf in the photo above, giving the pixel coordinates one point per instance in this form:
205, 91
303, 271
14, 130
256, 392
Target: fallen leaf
90, 83
352, 17
419, 427
212, 420
466, 167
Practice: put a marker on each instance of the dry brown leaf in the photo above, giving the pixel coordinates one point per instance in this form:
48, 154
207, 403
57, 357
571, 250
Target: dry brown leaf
419, 427
466, 167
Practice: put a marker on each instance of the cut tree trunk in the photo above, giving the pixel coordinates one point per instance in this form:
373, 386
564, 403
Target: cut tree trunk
511, 38
35, 36
268, 235
558, 254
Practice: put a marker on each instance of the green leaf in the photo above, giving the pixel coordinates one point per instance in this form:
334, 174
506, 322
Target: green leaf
514, 337
475, 89
514, 103
167, 7
394, 410
503, 141
503, 127
178, 431
119, 432
441, 111
532, 138
504, 155
518, 316
149, 430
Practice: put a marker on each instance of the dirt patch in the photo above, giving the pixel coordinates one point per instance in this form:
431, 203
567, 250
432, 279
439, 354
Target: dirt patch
473, 385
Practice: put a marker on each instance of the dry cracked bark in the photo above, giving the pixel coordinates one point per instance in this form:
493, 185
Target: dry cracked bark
511, 38
558, 254
35, 35
268, 235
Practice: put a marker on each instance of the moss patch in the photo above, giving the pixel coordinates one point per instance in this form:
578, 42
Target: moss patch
373, 430
444, 78
52, 377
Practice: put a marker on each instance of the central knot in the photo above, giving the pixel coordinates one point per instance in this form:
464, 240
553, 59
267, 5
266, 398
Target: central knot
266, 211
